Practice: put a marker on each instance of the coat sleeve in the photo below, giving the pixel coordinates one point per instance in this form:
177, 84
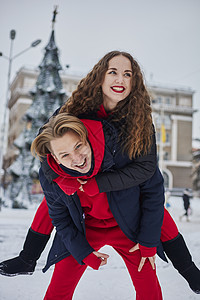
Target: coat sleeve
134, 173
152, 207
60, 212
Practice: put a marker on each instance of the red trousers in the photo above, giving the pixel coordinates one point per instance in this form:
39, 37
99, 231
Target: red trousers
145, 282
42, 223
68, 271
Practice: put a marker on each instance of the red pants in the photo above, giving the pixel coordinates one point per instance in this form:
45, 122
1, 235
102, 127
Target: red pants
68, 271
42, 223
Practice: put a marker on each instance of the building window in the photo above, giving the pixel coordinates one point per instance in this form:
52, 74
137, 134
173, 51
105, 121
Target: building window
167, 101
166, 121
158, 137
167, 137
166, 156
184, 102
159, 100
166, 179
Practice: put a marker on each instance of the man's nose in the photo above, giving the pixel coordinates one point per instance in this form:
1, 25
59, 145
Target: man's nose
76, 158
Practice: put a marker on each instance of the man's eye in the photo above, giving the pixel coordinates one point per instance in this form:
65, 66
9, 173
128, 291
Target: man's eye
78, 146
65, 155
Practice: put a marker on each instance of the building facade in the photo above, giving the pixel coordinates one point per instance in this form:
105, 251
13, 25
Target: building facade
172, 107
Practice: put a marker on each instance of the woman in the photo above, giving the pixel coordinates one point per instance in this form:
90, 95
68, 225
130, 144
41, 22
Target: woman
83, 223
128, 107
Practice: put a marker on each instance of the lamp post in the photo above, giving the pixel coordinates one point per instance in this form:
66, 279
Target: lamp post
10, 59
161, 148
160, 123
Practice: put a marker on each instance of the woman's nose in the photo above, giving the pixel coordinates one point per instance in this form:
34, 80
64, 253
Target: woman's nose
119, 78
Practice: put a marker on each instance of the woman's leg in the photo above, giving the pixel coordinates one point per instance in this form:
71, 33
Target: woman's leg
178, 252
169, 229
66, 276
35, 242
42, 221
145, 282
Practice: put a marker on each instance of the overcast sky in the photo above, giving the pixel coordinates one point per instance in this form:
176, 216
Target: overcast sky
164, 37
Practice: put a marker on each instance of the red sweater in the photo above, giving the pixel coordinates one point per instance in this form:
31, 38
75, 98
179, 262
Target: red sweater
96, 209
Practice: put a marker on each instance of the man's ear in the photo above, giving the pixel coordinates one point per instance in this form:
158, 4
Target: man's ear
58, 162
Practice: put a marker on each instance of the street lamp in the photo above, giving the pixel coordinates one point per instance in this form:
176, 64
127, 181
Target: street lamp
10, 59
162, 139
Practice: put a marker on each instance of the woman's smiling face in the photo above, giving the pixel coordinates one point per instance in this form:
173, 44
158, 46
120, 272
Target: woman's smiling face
70, 151
117, 82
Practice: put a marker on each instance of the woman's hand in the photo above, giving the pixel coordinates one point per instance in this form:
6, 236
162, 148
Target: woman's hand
81, 182
104, 257
89, 186
143, 259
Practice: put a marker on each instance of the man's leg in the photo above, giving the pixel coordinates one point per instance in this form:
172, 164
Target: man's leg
145, 282
65, 278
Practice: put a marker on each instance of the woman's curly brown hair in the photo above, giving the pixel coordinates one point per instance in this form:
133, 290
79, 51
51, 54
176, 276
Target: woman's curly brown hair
133, 113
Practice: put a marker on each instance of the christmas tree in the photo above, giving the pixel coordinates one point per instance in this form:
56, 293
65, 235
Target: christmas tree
48, 95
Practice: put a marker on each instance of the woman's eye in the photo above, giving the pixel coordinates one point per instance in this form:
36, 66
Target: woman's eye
112, 72
127, 74
65, 155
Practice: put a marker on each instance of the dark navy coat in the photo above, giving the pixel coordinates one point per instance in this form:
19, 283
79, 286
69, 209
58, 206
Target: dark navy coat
138, 210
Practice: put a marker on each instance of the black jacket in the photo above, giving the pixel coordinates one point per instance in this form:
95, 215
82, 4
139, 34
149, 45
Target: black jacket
138, 210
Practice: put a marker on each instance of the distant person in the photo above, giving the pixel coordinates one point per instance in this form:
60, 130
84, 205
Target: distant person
186, 204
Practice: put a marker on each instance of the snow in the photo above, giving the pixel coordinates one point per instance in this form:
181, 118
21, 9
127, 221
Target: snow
112, 281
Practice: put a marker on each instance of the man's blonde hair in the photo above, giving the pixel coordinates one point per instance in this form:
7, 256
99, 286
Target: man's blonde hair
55, 128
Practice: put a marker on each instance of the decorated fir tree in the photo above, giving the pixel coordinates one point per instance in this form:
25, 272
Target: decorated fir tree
48, 95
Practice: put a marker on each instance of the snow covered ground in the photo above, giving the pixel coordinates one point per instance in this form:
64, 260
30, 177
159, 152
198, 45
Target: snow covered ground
112, 281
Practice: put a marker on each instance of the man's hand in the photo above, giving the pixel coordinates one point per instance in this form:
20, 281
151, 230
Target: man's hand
104, 257
143, 259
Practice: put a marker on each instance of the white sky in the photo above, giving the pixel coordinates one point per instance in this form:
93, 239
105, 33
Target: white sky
164, 37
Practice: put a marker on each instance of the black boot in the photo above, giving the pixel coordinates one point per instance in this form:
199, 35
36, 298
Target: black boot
181, 259
26, 261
